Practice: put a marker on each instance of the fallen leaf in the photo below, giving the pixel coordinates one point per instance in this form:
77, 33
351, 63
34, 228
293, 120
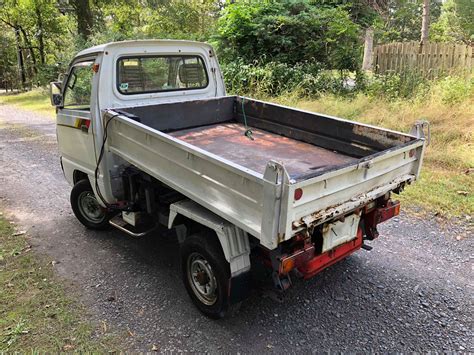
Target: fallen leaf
104, 326
154, 348
464, 193
68, 347
18, 233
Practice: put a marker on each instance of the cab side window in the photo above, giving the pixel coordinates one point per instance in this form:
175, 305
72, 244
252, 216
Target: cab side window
77, 94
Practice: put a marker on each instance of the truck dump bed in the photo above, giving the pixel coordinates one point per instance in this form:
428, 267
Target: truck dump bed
199, 148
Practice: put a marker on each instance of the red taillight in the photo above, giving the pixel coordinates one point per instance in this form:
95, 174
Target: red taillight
411, 153
95, 68
298, 194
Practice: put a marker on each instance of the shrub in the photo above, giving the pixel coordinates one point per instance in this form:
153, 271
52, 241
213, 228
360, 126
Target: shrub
394, 85
275, 78
453, 89
290, 32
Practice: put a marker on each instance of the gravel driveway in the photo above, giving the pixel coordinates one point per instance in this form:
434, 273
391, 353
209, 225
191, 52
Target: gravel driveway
413, 291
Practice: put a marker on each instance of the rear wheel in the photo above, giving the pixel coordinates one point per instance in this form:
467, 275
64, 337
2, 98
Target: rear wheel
206, 274
86, 208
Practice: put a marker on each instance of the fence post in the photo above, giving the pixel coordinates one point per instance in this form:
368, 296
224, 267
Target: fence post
368, 49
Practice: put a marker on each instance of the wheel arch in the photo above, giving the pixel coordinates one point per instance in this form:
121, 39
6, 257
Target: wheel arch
79, 175
233, 240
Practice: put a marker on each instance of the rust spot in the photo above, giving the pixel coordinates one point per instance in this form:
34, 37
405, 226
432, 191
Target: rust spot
387, 139
228, 141
281, 237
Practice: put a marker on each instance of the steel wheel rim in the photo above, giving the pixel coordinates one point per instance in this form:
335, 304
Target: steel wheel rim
90, 207
202, 279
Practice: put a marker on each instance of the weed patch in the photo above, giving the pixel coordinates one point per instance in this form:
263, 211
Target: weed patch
36, 315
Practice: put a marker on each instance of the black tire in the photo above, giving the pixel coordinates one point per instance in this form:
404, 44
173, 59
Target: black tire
80, 192
208, 247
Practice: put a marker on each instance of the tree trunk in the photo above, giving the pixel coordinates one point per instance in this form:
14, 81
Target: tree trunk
39, 25
425, 22
368, 49
85, 20
21, 64
30, 49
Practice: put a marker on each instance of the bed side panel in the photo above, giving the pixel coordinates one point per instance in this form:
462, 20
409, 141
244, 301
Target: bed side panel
229, 191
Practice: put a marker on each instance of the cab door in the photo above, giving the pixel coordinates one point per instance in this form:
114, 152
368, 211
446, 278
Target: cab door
74, 124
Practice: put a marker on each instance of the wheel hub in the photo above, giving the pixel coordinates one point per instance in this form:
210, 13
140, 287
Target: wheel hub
202, 279
90, 207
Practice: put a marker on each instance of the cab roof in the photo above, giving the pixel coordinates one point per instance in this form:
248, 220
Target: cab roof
137, 43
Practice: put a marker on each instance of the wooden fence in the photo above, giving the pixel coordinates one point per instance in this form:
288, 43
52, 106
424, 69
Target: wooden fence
430, 60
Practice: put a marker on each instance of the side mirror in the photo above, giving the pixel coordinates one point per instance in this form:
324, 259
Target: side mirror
55, 93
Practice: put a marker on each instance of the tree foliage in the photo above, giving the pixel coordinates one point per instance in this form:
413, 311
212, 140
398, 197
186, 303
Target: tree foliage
455, 24
288, 32
39, 37
33, 29
401, 20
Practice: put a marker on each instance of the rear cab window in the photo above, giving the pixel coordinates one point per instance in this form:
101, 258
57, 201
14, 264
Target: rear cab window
160, 73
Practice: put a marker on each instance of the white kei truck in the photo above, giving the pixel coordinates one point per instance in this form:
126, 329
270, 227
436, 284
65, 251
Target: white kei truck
148, 137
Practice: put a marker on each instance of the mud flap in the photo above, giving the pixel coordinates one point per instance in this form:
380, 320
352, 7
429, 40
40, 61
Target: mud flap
239, 287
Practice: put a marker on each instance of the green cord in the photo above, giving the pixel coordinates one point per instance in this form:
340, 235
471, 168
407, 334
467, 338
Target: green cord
248, 132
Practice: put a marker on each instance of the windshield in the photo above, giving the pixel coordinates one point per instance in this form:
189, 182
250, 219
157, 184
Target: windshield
138, 75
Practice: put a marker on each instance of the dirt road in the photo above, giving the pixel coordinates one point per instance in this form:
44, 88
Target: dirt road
413, 291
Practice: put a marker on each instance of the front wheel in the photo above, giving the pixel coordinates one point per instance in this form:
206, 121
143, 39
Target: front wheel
206, 274
86, 208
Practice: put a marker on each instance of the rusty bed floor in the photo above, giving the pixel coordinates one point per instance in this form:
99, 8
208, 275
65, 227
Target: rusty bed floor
227, 140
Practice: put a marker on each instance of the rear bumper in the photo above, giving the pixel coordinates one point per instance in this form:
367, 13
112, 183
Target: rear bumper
309, 264
319, 262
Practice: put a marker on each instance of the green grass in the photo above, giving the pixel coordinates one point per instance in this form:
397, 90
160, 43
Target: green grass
442, 192
36, 100
36, 314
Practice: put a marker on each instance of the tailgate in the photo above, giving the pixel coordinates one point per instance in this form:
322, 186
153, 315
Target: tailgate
314, 200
